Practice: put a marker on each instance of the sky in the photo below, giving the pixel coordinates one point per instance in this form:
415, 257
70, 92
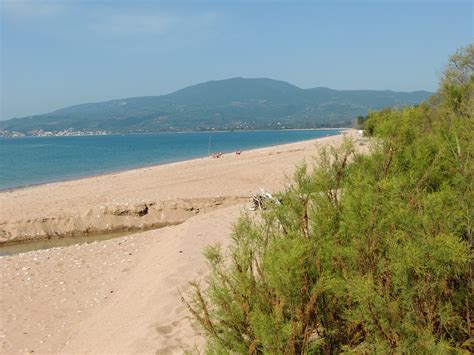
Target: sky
59, 53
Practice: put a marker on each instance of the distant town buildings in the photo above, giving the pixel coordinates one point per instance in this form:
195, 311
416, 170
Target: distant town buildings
64, 133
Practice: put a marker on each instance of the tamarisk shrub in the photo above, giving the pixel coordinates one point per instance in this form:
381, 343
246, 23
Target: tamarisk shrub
364, 253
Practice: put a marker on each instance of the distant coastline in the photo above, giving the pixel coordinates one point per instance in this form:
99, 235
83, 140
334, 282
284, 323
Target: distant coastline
74, 133
64, 133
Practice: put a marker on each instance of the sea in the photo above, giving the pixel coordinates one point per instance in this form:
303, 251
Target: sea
27, 161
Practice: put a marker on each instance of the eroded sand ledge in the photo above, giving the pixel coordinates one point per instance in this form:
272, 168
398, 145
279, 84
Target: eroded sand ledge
112, 218
121, 295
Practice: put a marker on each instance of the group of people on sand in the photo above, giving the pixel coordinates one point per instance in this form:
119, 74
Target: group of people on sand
220, 154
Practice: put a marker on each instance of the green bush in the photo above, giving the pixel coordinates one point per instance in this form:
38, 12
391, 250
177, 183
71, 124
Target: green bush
365, 253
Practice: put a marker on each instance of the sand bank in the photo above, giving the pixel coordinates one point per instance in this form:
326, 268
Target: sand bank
121, 295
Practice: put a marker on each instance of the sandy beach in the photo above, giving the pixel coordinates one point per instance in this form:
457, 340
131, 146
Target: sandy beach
121, 295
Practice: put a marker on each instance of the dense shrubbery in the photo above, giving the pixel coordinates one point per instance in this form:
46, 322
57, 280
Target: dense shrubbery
365, 253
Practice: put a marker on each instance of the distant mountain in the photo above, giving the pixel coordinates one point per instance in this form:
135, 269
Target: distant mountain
235, 103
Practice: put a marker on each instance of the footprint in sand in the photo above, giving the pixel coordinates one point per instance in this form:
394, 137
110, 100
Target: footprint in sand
165, 329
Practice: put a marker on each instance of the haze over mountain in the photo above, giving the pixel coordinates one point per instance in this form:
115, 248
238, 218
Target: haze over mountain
236, 103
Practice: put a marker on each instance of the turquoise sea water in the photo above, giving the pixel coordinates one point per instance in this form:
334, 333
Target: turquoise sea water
35, 160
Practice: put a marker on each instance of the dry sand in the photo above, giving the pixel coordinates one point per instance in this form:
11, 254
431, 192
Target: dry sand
121, 295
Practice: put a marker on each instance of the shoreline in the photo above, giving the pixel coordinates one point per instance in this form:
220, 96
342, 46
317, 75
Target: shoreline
143, 198
122, 295
121, 170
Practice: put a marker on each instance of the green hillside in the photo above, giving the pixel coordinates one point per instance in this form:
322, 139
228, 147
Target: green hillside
236, 103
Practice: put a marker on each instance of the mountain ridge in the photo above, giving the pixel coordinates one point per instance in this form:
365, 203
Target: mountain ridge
234, 103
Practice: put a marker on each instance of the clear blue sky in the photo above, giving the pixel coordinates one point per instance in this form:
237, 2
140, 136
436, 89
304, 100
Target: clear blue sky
59, 53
